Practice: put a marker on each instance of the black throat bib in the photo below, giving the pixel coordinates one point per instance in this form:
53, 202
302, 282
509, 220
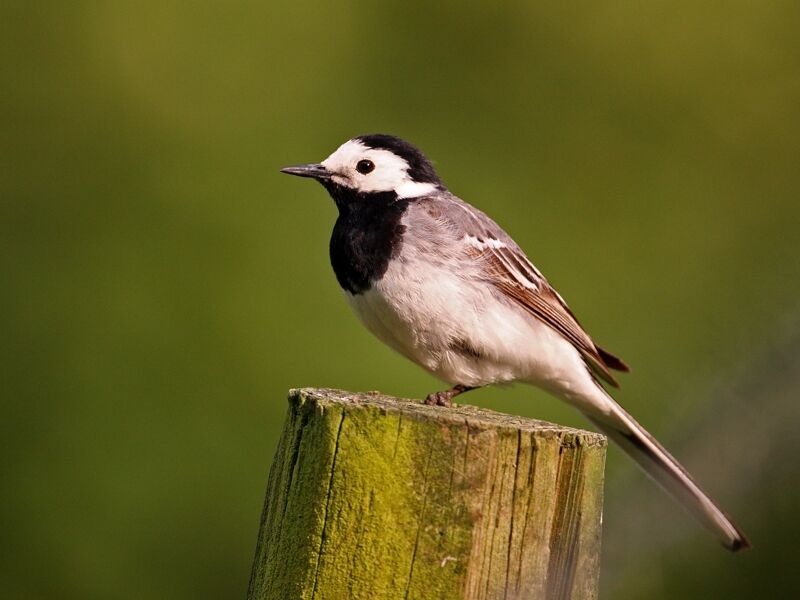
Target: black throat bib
366, 236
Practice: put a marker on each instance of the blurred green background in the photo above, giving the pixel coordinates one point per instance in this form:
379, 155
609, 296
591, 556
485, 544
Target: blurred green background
163, 285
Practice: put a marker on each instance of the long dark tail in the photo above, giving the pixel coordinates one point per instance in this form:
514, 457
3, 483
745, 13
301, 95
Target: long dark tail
669, 473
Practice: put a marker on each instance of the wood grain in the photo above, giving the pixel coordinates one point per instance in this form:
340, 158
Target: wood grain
376, 497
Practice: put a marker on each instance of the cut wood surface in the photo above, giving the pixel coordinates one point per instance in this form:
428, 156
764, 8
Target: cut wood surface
376, 497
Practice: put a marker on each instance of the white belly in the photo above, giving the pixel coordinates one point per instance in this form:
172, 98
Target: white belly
463, 330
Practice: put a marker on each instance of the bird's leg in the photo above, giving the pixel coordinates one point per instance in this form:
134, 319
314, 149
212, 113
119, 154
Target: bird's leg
446, 398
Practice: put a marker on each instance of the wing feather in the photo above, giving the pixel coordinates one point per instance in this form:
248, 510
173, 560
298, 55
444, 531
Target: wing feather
513, 274
507, 268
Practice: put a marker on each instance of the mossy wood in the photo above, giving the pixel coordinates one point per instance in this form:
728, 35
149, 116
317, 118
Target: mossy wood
377, 497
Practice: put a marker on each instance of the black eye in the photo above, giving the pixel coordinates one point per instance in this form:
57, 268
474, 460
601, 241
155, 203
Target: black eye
365, 166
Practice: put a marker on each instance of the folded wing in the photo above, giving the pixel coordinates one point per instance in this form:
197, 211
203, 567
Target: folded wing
509, 270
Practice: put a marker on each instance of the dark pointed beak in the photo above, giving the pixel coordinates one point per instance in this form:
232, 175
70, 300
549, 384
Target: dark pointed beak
315, 171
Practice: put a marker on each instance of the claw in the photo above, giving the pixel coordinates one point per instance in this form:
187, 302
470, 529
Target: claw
440, 399
445, 398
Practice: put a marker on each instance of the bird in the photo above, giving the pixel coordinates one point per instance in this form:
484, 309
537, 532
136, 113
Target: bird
441, 283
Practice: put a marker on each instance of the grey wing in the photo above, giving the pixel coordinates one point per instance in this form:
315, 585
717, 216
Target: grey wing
505, 266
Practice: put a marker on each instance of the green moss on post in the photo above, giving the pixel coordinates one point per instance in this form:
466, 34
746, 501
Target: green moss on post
376, 497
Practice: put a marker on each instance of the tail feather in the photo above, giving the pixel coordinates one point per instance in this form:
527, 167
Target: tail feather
611, 361
669, 473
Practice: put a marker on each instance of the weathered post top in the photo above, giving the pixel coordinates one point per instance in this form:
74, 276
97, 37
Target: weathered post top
375, 497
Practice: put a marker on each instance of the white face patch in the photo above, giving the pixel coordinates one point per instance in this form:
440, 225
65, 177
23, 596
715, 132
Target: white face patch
389, 175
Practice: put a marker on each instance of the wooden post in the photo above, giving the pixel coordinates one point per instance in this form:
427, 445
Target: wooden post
376, 497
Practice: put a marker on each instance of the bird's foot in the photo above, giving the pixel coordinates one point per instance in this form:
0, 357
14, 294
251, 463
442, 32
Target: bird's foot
439, 399
445, 398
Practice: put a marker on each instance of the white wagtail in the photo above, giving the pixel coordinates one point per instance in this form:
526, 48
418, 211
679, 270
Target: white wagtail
442, 284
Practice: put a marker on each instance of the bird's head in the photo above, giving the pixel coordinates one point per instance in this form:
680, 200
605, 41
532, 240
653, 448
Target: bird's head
373, 164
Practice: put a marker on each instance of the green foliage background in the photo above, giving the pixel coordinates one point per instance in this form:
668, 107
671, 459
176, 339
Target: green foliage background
163, 286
